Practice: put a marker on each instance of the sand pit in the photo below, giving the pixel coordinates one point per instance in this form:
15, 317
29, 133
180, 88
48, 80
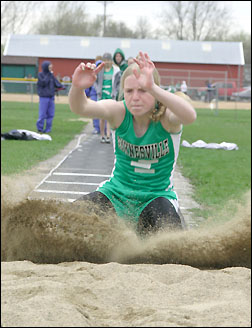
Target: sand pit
63, 266
81, 294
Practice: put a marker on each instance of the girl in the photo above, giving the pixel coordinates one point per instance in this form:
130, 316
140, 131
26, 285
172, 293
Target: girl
147, 127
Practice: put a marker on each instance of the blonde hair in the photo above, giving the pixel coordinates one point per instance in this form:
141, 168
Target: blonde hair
184, 96
159, 109
98, 58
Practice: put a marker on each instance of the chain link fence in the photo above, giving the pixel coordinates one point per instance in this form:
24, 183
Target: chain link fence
216, 97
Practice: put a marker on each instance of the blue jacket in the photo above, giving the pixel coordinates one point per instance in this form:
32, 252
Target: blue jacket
47, 84
91, 93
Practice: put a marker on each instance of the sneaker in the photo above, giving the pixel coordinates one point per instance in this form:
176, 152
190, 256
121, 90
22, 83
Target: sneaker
108, 140
103, 140
95, 131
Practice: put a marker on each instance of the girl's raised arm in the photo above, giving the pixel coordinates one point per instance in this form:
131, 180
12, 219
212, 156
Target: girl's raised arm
84, 77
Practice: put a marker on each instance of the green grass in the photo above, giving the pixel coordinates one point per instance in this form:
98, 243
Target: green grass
17, 155
218, 175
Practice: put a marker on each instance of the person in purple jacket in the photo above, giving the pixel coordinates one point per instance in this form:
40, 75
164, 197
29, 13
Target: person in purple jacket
92, 94
47, 85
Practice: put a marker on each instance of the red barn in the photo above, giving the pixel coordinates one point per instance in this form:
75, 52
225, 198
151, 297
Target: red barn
192, 61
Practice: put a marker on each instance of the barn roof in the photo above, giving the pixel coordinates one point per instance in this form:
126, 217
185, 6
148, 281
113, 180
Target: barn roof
87, 47
19, 60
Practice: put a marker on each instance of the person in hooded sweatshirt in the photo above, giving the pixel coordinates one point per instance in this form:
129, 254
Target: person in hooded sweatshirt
47, 85
119, 59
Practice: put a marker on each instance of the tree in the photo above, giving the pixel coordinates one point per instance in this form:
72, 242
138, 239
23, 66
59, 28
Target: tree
195, 20
118, 30
175, 19
68, 18
143, 30
15, 14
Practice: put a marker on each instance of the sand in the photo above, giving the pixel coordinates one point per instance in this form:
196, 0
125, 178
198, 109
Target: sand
82, 294
65, 266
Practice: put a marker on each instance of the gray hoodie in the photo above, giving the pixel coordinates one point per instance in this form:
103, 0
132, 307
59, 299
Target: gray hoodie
115, 82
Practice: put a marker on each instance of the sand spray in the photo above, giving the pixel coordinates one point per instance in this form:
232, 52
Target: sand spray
50, 231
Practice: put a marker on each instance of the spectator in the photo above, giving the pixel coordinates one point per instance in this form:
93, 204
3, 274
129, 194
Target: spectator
119, 60
171, 88
98, 58
92, 94
107, 87
47, 85
183, 87
209, 92
178, 86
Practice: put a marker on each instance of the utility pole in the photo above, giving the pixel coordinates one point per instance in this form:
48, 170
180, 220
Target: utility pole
105, 3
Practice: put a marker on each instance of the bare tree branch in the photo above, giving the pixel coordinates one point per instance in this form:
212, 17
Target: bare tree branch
143, 29
195, 20
14, 14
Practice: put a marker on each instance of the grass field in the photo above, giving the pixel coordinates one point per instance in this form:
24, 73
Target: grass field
217, 175
17, 155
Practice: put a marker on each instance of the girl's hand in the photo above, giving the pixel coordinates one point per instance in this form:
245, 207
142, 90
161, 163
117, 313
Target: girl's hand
84, 76
145, 76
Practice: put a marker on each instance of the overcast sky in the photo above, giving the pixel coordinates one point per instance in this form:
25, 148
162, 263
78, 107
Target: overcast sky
130, 11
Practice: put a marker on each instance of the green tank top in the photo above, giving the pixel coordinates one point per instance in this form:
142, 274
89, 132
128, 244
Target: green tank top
143, 167
107, 84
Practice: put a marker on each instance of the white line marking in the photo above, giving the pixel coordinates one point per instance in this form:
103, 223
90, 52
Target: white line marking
78, 144
62, 192
74, 183
83, 174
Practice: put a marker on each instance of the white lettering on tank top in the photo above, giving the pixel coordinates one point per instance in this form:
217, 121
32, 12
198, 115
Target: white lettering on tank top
151, 151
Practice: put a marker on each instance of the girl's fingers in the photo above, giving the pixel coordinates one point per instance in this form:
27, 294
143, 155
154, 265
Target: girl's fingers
147, 57
91, 66
143, 60
141, 55
136, 73
82, 66
88, 66
138, 63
